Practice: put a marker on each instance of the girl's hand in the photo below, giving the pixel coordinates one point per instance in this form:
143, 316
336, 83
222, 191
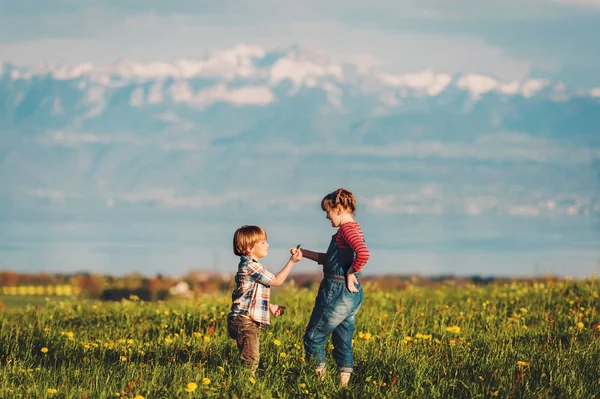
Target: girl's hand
351, 282
296, 255
276, 310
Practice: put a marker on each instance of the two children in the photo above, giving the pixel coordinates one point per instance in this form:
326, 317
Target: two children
338, 300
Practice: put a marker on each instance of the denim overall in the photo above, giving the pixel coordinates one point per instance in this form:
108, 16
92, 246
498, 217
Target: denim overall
335, 311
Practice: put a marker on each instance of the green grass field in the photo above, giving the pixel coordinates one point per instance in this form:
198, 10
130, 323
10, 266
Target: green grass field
20, 301
516, 340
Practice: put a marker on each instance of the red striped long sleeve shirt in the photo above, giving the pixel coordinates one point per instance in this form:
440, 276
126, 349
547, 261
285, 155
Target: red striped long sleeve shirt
350, 235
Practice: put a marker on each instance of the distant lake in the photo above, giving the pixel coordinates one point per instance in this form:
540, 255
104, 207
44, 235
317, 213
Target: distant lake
174, 242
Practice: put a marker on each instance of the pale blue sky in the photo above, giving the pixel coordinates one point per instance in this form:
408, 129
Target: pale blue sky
508, 39
118, 191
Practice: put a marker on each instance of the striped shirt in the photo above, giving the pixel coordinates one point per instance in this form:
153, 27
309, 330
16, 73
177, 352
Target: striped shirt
350, 235
252, 291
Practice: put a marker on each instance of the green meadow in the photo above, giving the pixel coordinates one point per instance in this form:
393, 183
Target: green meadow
509, 340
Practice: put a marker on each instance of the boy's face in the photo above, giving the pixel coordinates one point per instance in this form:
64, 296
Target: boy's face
260, 249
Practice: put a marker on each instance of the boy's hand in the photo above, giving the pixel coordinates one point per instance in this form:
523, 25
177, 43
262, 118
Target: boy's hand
276, 310
351, 282
296, 255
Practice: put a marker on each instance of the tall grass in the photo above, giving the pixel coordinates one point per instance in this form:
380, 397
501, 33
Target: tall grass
516, 340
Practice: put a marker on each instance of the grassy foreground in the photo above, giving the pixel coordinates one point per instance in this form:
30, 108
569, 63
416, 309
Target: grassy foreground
519, 340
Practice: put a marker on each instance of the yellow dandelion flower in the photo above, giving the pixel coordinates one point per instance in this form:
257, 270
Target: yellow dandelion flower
522, 363
221, 368
190, 387
52, 391
206, 381
296, 346
206, 339
301, 360
408, 338
523, 310
252, 380
123, 358
303, 385
366, 336
139, 397
196, 334
44, 350
453, 329
276, 342
580, 325
283, 354
480, 378
424, 337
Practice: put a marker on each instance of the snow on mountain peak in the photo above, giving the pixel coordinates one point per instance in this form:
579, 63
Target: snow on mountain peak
240, 53
247, 95
299, 71
66, 72
428, 81
302, 63
477, 84
307, 53
531, 87
509, 88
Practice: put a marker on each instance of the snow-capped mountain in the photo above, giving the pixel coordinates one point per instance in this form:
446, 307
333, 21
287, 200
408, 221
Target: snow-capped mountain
251, 75
174, 134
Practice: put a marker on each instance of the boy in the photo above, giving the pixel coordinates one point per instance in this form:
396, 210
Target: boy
250, 299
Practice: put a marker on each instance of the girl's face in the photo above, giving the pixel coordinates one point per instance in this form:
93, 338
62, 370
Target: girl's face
336, 215
260, 249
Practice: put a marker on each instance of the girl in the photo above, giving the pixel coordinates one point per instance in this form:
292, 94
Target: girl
340, 294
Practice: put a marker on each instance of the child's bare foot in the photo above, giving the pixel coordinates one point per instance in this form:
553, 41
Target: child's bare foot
344, 379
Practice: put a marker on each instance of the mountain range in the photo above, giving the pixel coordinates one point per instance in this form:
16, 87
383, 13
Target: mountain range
147, 166
185, 134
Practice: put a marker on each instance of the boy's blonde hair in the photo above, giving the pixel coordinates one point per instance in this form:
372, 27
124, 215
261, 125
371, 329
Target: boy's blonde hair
247, 237
341, 197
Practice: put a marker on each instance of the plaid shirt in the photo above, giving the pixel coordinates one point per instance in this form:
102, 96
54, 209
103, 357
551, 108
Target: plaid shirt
252, 291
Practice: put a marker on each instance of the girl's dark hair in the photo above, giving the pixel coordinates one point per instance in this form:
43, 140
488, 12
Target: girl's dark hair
341, 197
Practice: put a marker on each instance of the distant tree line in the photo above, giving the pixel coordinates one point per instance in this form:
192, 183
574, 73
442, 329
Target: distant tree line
160, 287
115, 288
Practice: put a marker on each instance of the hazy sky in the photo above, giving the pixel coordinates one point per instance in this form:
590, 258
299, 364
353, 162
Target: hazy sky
508, 38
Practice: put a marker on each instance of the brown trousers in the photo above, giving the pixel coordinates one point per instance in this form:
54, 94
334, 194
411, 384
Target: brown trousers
245, 332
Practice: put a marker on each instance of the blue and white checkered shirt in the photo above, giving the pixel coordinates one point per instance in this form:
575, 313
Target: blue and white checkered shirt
252, 291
